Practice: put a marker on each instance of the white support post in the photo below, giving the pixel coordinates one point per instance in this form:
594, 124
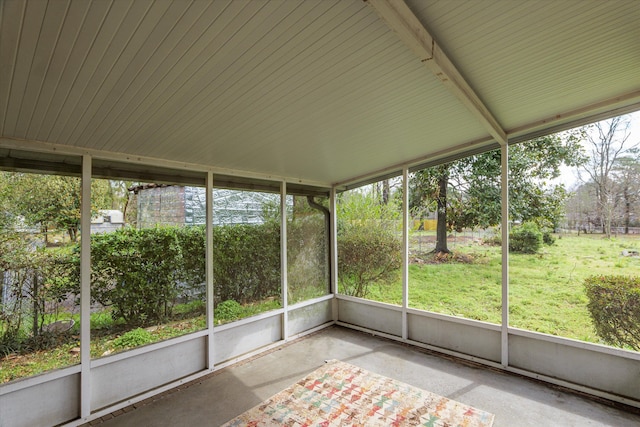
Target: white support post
505, 255
334, 252
405, 252
209, 269
283, 260
85, 289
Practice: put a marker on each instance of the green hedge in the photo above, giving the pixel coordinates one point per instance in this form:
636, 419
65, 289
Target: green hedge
136, 272
614, 305
142, 274
246, 262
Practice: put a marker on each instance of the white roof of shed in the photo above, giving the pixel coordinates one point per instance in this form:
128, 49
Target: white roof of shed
317, 92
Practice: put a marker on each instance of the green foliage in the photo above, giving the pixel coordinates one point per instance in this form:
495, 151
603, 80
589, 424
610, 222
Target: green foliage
526, 239
48, 201
424, 191
133, 338
190, 309
246, 262
369, 251
367, 254
192, 271
547, 238
614, 305
474, 184
227, 310
136, 271
138, 275
307, 256
364, 206
144, 273
141, 277
493, 240
37, 283
101, 320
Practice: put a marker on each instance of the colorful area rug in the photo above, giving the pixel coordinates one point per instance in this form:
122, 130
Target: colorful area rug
340, 394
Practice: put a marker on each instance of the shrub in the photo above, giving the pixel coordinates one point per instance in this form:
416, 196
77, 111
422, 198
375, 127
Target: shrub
137, 271
133, 338
367, 254
35, 285
144, 273
192, 272
246, 263
614, 305
227, 310
307, 262
494, 240
548, 239
526, 239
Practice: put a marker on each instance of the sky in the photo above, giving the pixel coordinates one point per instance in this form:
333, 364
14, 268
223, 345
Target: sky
569, 175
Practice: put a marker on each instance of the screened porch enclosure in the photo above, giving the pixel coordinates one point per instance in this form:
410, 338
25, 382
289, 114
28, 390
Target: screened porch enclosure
260, 119
116, 381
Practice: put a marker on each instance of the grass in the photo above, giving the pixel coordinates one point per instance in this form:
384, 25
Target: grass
546, 290
107, 338
16, 366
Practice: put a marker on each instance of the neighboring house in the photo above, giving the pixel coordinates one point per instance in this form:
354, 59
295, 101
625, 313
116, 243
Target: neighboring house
171, 205
244, 207
174, 205
107, 221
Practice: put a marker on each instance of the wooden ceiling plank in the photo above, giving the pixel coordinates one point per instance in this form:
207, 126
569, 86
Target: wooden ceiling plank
10, 29
33, 17
52, 26
401, 20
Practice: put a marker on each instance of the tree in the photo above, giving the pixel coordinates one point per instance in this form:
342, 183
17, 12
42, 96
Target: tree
48, 201
431, 185
466, 193
580, 208
627, 176
608, 142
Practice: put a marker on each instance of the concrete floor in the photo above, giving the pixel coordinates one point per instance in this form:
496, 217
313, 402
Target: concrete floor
514, 400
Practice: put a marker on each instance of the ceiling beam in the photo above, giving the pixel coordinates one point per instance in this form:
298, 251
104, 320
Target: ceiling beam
617, 106
401, 20
144, 162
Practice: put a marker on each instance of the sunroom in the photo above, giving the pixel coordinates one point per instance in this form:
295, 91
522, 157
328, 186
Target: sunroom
250, 125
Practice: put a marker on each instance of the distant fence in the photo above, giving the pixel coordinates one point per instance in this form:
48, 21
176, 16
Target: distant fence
598, 230
621, 230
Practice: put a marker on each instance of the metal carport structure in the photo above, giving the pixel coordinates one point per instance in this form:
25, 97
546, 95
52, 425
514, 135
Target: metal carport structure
313, 95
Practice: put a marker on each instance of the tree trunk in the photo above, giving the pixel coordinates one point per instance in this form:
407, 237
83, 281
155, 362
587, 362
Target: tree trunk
606, 213
73, 234
36, 311
627, 210
386, 191
441, 228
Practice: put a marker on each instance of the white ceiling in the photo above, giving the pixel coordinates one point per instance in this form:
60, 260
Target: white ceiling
318, 92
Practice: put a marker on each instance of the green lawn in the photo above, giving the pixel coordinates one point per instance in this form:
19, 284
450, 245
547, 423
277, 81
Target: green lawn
546, 290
